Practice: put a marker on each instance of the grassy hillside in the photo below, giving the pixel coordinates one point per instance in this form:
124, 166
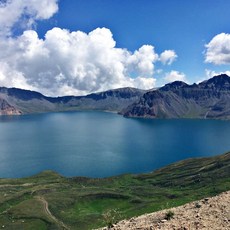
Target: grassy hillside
50, 201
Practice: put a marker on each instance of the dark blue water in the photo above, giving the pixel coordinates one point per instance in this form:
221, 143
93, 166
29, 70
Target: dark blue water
98, 144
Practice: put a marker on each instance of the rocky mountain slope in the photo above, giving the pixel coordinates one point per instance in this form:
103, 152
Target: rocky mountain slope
208, 213
208, 99
18, 101
7, 109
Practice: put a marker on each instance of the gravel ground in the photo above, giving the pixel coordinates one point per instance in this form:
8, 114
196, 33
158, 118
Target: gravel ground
210, 214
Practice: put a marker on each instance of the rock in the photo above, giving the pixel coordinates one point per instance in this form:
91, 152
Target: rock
209, 99
188, 217
225, 220
7, 109
18, 101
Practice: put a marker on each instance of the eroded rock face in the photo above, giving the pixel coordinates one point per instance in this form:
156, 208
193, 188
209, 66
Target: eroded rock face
209, 99
7, 109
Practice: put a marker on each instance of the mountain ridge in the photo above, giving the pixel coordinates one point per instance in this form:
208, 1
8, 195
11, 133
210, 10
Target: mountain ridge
208, 99
25, 101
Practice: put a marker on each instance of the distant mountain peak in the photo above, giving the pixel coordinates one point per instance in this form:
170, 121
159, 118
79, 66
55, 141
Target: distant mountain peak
174, 85
218, 82
209, 99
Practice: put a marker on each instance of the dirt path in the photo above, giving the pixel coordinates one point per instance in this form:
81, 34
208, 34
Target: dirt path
47, 211
16, 185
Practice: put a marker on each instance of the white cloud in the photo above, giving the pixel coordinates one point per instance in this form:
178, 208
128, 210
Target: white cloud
145, 83
24, 13
211, 73
65, 62
142, 60
175, 76
218, 50
17, 81
168, 57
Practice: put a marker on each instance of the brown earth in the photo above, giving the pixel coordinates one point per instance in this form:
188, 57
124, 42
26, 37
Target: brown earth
210, 214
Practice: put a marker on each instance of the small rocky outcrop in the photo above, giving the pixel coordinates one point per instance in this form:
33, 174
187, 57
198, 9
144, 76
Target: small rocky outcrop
7, 109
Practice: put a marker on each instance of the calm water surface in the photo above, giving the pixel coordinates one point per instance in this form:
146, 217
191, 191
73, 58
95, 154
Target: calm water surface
98, 144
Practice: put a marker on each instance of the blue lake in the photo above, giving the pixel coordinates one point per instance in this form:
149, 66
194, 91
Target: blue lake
98, 144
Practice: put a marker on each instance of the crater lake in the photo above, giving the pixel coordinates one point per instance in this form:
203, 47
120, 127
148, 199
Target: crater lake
100, 144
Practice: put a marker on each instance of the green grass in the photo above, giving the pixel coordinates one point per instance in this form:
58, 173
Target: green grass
86, 203
27, 214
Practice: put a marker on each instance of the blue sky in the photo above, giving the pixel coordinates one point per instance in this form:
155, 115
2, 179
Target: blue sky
182, 26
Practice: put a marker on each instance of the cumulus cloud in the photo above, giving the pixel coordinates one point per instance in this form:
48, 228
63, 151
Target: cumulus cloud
211, 73
168, 57
142, 60
68, 62
218, 50
18, 80
24, 13
175, 76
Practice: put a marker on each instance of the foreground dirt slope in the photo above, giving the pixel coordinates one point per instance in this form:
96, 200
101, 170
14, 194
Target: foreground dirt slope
210, 213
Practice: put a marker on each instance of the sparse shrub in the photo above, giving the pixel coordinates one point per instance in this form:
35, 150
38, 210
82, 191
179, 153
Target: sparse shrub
219, 164
111, 217
169, 215
197, 205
